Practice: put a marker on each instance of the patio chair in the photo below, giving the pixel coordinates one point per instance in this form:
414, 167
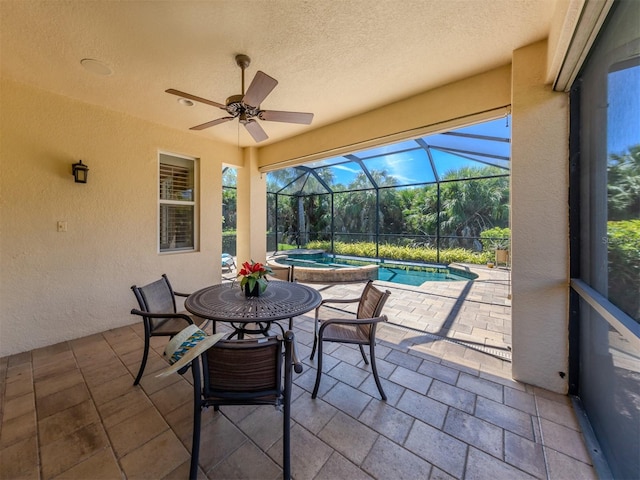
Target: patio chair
159, 314
360, 330
228, 262
245, 372
284, 273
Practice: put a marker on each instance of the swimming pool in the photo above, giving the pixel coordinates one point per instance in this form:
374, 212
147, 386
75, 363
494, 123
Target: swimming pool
317, 266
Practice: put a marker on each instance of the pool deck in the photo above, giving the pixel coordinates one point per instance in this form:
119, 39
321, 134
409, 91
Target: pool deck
469, 321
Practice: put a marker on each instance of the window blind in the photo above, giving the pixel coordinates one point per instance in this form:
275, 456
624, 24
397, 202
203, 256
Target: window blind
176, 204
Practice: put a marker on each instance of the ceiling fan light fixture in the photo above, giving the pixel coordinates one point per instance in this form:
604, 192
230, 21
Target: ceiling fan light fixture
96, 66
185, 102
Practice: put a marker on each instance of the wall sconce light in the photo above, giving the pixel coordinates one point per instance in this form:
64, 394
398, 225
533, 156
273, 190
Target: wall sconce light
80, 172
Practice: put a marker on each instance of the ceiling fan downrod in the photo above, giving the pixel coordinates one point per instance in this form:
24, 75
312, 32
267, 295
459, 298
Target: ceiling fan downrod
243, 62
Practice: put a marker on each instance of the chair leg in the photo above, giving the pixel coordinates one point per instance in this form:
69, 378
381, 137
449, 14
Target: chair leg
315, 344
375, 370
315, 336
364, 357
319, 374
286, 441
197, 415
144, 360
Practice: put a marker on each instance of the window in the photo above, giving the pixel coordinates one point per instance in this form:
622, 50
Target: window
229, 210
605, 226
177, 203
623, 186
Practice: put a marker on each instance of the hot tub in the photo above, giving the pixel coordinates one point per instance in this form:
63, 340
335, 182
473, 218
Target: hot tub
308, 270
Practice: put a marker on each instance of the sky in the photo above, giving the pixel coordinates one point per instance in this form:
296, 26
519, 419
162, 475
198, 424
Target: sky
623, 113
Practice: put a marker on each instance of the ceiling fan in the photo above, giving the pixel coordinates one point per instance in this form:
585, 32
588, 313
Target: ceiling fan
246, 107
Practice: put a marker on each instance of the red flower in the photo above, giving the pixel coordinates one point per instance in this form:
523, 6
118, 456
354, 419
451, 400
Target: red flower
252, 273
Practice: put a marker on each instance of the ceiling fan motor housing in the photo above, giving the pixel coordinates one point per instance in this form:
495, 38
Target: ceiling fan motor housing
236, 107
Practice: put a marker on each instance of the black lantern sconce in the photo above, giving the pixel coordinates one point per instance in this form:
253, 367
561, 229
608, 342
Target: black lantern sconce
80, 172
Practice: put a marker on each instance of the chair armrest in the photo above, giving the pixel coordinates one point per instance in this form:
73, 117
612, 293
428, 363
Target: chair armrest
355, 321
295, 359
181, 294
338, 300
162, 315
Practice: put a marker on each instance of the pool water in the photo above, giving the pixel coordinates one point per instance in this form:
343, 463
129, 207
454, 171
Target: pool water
405, 274
416, 277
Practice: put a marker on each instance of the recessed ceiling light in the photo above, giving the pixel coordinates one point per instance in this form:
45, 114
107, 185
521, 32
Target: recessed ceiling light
186, 102
96, 66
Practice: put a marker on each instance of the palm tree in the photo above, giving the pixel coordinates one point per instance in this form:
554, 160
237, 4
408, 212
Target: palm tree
623, 185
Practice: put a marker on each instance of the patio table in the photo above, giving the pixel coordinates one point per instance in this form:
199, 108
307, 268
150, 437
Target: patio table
227, 303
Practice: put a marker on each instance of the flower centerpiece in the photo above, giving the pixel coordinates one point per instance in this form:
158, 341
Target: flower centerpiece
254, 278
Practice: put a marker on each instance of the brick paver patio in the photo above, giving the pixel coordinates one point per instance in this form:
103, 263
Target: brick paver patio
70, 410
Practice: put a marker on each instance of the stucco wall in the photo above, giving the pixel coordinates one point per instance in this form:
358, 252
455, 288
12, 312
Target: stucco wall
251, 210
539, 223
57, 286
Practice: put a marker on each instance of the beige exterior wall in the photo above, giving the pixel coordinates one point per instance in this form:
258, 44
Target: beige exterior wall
58, 286
539, 223
252, 210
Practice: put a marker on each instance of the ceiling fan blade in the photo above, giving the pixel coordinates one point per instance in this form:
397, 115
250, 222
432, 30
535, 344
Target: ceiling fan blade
288, 117
212, 123
195, 98
255, 130
260, 87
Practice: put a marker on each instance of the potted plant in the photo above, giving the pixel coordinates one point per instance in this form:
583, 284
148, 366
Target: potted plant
254, 278
497, 239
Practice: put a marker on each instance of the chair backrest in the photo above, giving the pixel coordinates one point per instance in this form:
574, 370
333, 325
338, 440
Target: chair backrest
227, 260
371, 301
249, 372
241, 371
282, 272
156, 297
370, 306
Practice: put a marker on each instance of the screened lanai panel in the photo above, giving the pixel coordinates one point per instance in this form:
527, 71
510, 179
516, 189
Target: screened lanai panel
408, 162
280, 179
326, 162
345, 176
387, 149
313, 185
499, 127
355, 216
229, 177
450, 166
408, 167
295, 186
486, 143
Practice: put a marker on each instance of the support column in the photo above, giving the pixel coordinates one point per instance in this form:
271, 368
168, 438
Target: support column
252, 210
539, 223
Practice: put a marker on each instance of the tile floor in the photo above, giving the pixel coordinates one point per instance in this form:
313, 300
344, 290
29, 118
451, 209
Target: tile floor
69, 411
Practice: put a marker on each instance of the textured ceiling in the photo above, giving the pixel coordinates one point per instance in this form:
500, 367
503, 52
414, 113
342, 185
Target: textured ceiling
335, 58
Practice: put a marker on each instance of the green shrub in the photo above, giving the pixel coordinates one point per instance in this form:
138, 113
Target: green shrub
319, 245
404, 252
285, 246
495, 238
